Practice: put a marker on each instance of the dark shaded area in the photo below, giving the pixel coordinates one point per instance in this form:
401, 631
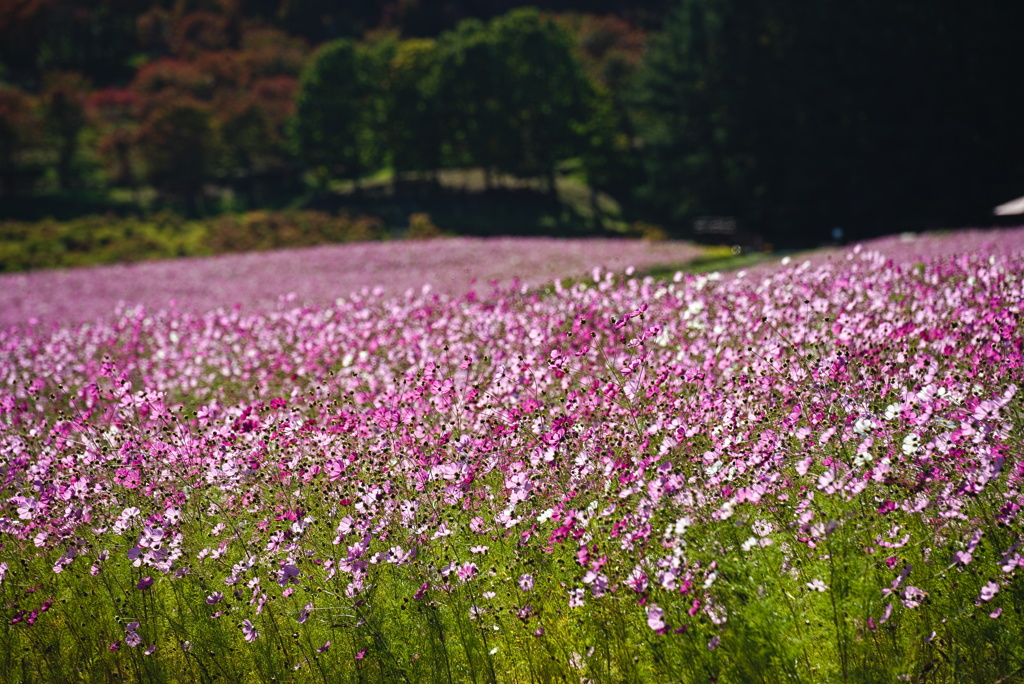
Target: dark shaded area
871, 116
478, 213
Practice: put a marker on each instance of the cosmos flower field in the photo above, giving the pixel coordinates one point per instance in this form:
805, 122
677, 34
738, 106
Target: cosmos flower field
259, 281
807, 472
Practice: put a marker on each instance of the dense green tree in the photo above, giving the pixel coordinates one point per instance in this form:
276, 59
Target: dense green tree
689, 113
338, 111
610, 50
412, 109
607, 156
475, 128
543, 95
512, 96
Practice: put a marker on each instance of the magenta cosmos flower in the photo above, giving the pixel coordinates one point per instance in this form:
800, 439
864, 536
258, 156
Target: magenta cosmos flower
249, 631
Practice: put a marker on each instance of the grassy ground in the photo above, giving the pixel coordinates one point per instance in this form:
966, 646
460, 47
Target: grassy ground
83, 228
460, 203
715, 258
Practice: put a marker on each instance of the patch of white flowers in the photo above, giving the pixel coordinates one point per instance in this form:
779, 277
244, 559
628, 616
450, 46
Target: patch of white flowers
911, 443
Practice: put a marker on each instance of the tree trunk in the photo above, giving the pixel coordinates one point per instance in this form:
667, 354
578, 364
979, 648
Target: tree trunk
551, 181
596, 217
65, 156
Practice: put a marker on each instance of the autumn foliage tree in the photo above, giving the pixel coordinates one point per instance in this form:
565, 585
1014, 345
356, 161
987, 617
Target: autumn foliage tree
247, 94
111, 113
179, 146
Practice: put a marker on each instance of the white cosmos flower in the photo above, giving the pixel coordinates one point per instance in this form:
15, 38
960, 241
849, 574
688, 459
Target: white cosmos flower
681, 525
910, 443
863, 425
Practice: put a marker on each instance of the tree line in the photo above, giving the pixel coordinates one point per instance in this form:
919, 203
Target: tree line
507, 96
253, 108
872, 116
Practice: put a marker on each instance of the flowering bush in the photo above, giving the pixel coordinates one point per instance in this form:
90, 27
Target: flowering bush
804, 473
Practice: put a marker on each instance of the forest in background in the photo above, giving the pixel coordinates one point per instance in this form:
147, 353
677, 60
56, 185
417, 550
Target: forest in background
873, 116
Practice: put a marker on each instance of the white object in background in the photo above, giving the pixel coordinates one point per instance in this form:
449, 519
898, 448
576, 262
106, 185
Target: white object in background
1012, 207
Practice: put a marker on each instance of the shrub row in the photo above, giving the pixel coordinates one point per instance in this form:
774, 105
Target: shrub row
109, 239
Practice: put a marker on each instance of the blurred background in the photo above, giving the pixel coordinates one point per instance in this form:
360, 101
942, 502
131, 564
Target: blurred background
137, 128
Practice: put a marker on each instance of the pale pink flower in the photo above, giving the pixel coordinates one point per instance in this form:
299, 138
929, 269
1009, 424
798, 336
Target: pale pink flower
655, 617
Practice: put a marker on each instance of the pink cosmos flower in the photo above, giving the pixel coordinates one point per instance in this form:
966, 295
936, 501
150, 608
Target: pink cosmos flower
655, 618
287, 573
249, 631
913, 597
637, 580
132, 637
335, 469
467, 571
885, 614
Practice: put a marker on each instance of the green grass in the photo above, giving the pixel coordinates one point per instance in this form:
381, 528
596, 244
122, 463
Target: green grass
713, 259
